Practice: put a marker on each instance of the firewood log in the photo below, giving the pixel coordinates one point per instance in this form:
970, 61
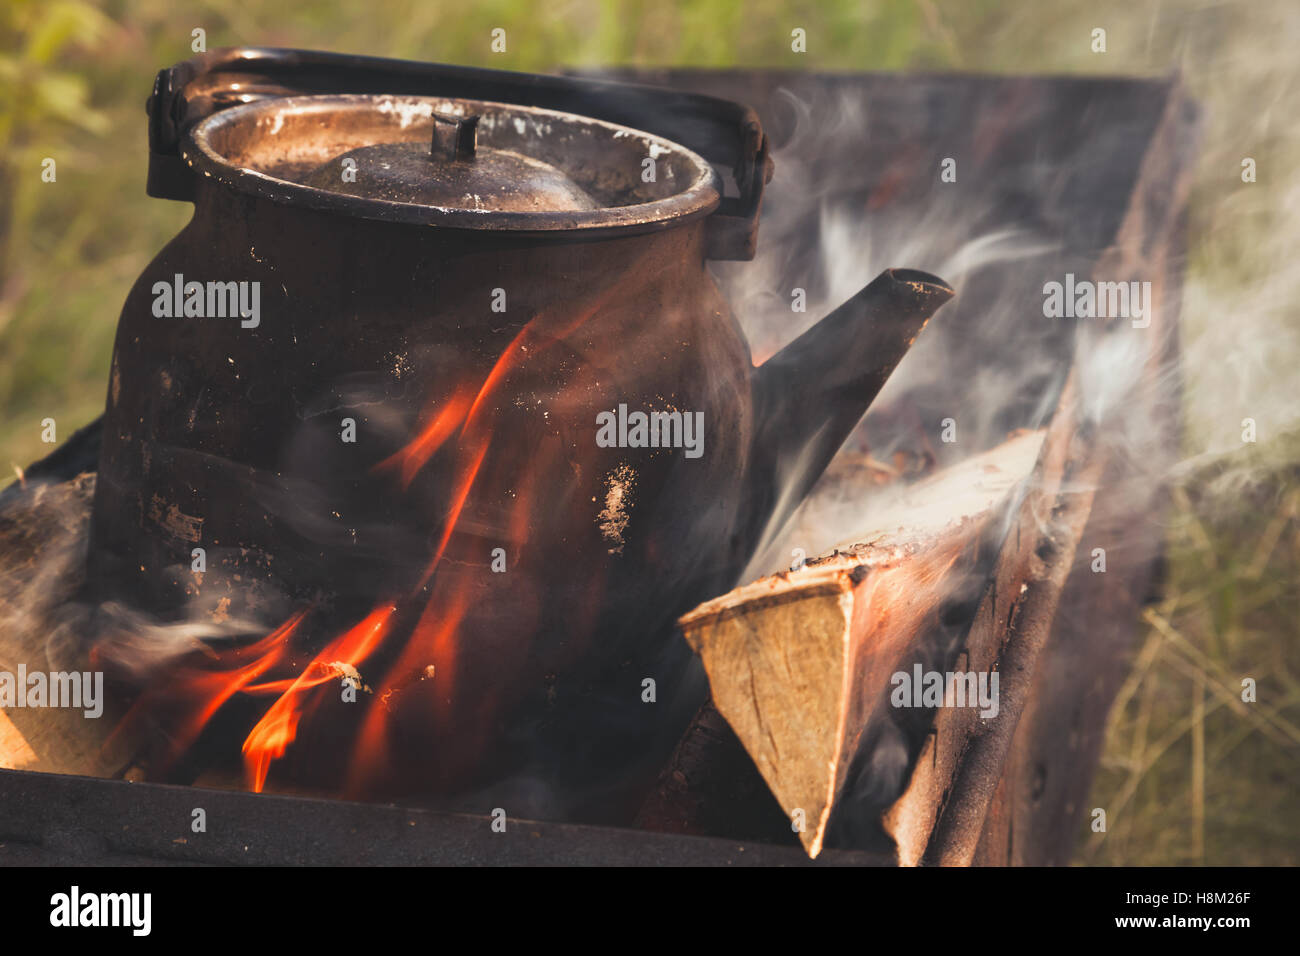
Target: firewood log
799, 663
43, 526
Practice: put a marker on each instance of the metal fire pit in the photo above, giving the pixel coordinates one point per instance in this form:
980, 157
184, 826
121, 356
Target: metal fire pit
56, 820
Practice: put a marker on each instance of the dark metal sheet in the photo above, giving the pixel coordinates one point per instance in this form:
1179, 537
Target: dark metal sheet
52, 819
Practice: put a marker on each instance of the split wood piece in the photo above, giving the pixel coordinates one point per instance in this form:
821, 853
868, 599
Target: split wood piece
43, 529
799, 663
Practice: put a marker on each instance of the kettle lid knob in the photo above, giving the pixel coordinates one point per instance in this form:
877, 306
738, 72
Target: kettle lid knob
454, 137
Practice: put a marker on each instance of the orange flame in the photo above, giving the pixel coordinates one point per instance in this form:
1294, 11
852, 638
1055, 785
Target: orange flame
457, 424
211, 689
279, 726
457, 505
416, 454
429, 654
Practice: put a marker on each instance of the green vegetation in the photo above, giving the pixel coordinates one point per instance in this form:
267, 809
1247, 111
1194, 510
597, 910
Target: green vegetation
1191, 774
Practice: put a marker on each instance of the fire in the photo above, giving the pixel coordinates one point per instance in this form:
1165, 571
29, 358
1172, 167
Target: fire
458, 425
408, 462
210, 688
428, 655
279, 726
464, 485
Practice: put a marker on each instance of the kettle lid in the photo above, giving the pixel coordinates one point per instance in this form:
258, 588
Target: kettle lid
452, 172
457, 162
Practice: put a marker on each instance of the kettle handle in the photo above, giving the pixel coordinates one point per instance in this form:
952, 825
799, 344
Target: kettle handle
729, 135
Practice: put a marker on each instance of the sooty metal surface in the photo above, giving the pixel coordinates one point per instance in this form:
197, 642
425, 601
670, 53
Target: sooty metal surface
51, 819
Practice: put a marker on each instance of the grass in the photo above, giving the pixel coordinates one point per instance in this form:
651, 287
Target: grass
1190, 774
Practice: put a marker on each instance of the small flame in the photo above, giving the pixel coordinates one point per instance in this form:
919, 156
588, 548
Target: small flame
464, 485
210, 689
408, 462
279, 726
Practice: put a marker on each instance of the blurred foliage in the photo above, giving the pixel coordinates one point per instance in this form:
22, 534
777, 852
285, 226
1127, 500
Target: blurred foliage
74, 75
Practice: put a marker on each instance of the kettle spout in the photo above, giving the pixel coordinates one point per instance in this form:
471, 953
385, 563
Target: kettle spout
810, 395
